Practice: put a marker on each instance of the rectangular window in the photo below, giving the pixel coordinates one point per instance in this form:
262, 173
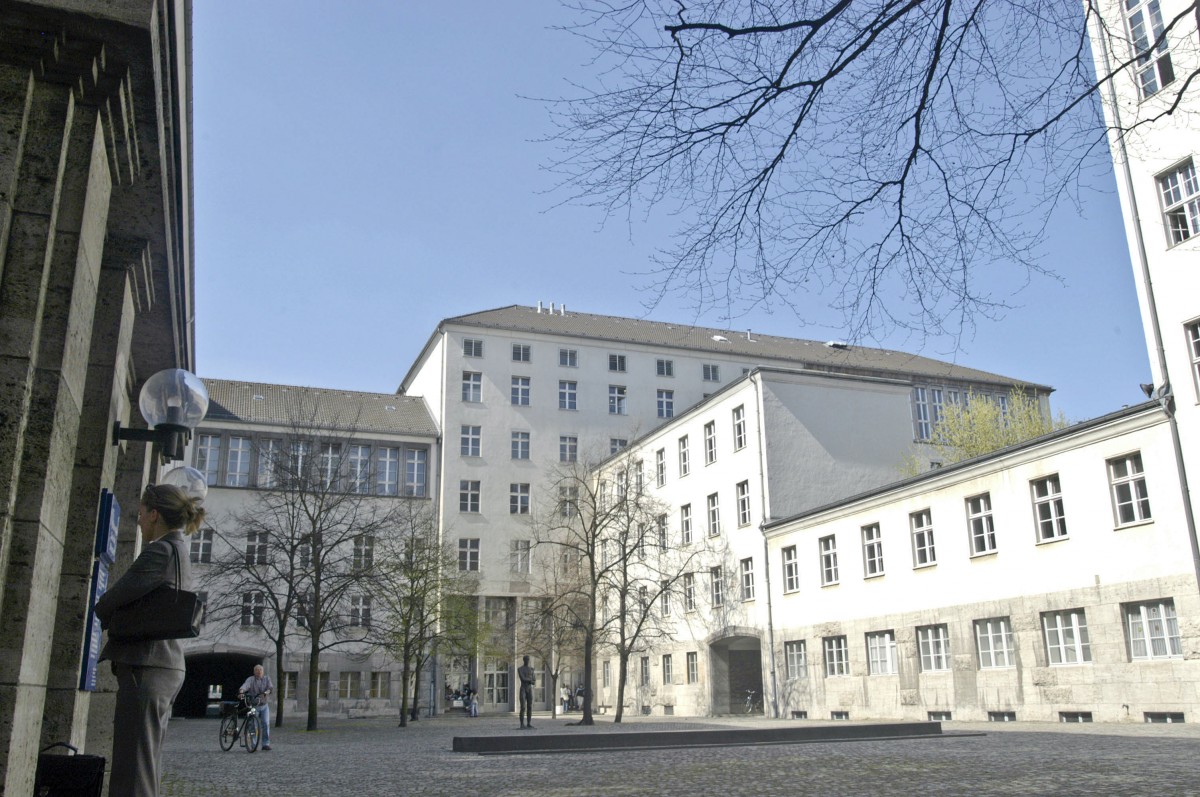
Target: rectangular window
472, 387
881, 653
791, 569
349, 685
644, 671
381, 685
364, 551
743, 503
739, 428
933, 642
237, 463
616, 362
253, 606
665, 368
664, 599
685, 466
519, 394
667, 674
1048, 508
568, 394
521, 352
979, 521
1067, 639
518, 499
416, 468
287, 690
1192, 331
685, 524
872, 543
666, 403
710, 442
208, 457
837, 656
519, 558
795, 659
268, 461
1149, 46
568, 500
520, 445
359, 469
693, 667
568, 358
468, 554
330, 460
711, 372
660, 467
256, 547
360, 611
387, 471
322, 686
495, 681
921, 414
935, 406
994, 640
201, 549
607, 676
689, 592
468, 496
747, 570
568, 448
660, 528
616, 444
829, 563
714, 516
472, 347
1131, 501
717, 583
1152, 630
298, 459
921, 524
616, 400
470, 441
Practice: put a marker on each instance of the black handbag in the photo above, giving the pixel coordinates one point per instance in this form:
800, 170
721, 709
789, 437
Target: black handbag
71, 775
164, 612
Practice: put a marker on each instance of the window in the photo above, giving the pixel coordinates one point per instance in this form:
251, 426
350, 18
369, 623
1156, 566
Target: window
287, 690
520, 352
416, 465
668, 676
795, 659
689, 592
791, 570
519, 559
872, 543
660, 467
711, 372
685, 524
381, 685
518, 499
710, 442
933, 642
660, 527
519, 393
237, 463
714, 516
1192, 331
664, 600
607, 674
693, 667
881, 653
979, 520
208, 457
268, 462
256, 547
1067, 639
935, 406
666, 403
568, 358
330, 459
1131, 502
616, 444
1153, 65
387, 471
665, 368
253, 606
322, 686
568, 500
743, 503
495, 612
349, 685
568, 448
739, 428
717, 580
616, 400
921, 524
364, 551
472, 387
568, 393
520, 445
468, 554
470, 441
468, 496
298, 458
616, 362
1048, 508
472, 347
994, 640
685, 466
1152, 630
644, 671
837, 656
921, 414
360, 611
359, 469
201, 552
747, 569
829, 563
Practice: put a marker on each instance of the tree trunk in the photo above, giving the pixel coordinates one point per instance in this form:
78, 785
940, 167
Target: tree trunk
314, 661
622, 672
416, 692
404, 673
589, 644
279, 648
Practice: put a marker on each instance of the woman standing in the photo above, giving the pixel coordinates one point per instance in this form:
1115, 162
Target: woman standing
149, 674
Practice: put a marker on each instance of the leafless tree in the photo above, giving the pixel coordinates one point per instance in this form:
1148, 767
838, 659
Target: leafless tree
883, 154
550, 625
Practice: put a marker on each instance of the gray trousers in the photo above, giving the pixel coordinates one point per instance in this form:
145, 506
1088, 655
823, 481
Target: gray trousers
144, 699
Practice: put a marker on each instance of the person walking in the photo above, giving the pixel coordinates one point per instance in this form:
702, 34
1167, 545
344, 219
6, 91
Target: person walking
526, 676
257, 687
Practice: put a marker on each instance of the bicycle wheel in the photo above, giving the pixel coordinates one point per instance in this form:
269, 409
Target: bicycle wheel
250, 734
229, 732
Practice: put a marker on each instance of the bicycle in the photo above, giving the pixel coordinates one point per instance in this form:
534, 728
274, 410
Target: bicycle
231, 729
753, 704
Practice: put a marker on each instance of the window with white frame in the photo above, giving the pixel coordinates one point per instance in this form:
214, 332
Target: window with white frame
472, 347
689, 592
520, 445
568, 358
387, 471
714, 516
710, 442
323, 686
935, 407
521, 352
1149, 46
685, 524
1067, 640
519, 559
795, 659
933, 643
237, 462
685, 463
364, 551
381, 685
269, 451
1192, 333
256, 547
693, 667
253, 605
617, 400
921, 423
881, 653
665, 368
1048, 508
201, 547
468, 496
743, 503
616, 362
616, 444
668, 674
1131, 501
416, 469
520, 391
921, 524
518, 499
660, 467
666, 403
287, 690
568, 500
330, 461
606, 674
472, 387
837, 656
660, 528
979, 521
208, 457
468, 554
711, 372
644, 671
495, 681
717, 583
747, 571
1152, 630
349, 685
791, 569
470, 440
568, 448
568, 395
1179, 192
993, 638
829, 562
360, 611
739, 428
872, 543
359, 469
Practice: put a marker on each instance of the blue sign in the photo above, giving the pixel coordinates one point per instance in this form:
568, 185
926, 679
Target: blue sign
91, 658
107, 526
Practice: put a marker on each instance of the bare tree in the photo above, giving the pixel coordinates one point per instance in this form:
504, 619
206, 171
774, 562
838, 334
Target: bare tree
550, 624
882, 153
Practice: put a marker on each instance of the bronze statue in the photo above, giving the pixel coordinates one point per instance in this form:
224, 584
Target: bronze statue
525, 674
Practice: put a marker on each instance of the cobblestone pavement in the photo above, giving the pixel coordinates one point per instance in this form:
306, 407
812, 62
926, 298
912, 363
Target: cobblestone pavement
376, 757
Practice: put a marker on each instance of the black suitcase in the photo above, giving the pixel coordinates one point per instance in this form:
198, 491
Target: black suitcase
68, 775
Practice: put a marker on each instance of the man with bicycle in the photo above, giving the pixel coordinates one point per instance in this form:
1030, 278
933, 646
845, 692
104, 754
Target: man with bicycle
256, 688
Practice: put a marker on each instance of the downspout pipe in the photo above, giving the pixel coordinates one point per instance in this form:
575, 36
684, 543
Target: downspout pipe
756, 380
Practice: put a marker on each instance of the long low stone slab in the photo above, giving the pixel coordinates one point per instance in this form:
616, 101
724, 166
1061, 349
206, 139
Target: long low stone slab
523, 742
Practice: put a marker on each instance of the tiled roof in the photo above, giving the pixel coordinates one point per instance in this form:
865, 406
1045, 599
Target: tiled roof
314, 407
756, 348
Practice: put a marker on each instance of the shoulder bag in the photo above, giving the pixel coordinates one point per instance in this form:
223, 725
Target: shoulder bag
164, 612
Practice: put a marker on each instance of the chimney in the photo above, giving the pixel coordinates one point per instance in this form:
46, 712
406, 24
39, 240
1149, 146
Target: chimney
539, 306
749, 337
551, 308
562, 308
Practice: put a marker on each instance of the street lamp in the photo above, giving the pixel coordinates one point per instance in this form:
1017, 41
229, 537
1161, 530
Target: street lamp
173, 402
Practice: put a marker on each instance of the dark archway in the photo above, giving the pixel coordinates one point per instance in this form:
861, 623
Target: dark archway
736, 670
227, 670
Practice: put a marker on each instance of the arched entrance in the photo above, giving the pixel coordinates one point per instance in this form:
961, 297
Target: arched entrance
736, 669
210, 670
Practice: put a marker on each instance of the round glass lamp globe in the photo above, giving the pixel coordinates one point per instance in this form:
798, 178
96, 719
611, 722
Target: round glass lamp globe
173, 397
190, 480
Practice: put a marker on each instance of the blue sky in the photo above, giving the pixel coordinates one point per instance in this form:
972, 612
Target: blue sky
365, 169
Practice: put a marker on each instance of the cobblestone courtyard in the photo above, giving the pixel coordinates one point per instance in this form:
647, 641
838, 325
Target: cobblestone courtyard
375, 757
